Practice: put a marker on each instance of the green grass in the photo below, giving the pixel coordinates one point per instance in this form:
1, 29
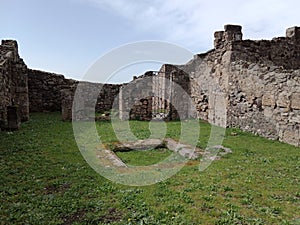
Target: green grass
45, 180
144, 158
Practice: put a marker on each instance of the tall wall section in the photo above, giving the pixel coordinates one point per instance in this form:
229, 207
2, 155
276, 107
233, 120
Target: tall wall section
209, 74
157, 95
136, 98
174, 86
13, 84
264, 87
254, 83
265, 100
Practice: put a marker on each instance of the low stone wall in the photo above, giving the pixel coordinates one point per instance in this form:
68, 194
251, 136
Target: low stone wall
90, 97
45, 92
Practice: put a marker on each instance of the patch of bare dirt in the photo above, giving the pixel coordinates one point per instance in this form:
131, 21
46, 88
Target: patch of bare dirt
52, 189
75, 217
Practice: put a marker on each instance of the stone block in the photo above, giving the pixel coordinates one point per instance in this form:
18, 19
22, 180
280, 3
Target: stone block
232, 28
293, 33
233, 33
295, 101
291, 136
268, 99
283, 100
218, 38
268, 112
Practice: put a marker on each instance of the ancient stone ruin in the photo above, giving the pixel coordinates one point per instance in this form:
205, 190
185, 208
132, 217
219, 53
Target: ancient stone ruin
14, 104
249, 84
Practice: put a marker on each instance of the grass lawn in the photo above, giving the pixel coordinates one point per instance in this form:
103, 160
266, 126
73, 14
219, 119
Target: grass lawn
144, 158
45, 180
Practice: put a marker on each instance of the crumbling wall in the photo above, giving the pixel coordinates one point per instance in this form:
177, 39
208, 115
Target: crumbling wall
163, 94
265, 100
48, 93
89, 97
209, 74
264, 87
176, 91
45, 90
135, 98
254, 83
13, 84
107, 97
280, 51
142, 109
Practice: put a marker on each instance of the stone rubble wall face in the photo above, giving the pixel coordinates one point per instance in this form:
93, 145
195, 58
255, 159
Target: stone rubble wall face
86, 102
13, 83
254, 83
209, 82
277, 52
166, 84
265, 101
135, 99
157, 94
263, 88
47, 92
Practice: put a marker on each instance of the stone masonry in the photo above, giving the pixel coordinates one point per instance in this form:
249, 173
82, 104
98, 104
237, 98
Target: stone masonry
14, 104
50, 92
252, 85
45, 90
259, 82
105, 97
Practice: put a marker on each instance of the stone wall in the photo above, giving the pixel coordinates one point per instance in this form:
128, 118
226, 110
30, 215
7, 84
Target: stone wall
265, 101
175, 88
254, 83
47, 92
90, 97
160, 95
107, 97
13, 86
135, 98
264, 86
280, 51
209, 83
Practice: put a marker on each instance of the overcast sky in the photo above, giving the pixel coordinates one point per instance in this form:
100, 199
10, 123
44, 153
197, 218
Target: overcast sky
68, 36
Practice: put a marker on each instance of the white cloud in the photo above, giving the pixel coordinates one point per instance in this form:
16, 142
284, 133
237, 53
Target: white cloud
192, 23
